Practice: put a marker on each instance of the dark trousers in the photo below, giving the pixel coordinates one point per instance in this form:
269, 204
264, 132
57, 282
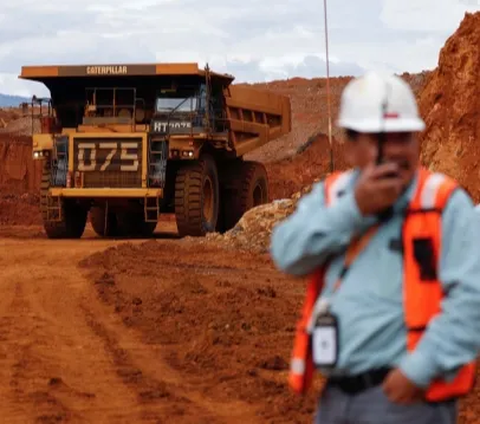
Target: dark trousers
372, 406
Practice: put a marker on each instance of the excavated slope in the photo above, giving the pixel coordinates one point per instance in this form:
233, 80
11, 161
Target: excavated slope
450, 104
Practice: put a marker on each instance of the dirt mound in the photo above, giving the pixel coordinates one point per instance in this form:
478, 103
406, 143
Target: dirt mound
225, 320
308, 98
23, 125
450, 103
18, 172
15, 120
310, 163
254, 229
19, 181
7, 115
20, 209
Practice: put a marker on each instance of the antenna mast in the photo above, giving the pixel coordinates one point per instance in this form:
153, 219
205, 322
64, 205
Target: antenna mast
328, 87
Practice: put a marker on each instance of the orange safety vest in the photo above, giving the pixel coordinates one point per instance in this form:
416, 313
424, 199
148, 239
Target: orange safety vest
422, 232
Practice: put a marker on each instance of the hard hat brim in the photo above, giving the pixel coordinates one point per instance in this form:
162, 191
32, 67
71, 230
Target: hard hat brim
386, 125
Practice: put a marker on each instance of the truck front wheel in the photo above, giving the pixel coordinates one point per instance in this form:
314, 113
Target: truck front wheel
62, 218
197, 197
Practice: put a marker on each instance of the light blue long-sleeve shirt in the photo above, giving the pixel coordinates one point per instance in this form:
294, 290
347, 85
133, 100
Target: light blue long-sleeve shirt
369, 302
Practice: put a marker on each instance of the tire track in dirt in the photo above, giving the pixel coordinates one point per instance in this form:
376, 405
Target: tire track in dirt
145, 370
56, 368
158, 399
143, 367
219, 320
24, 369
68, 358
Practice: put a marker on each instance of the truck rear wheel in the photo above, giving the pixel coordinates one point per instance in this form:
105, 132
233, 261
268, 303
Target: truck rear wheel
244, 186
197, 197
62, 218
103, 227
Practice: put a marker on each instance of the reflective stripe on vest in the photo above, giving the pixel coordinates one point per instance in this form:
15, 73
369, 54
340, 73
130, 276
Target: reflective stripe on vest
422, 301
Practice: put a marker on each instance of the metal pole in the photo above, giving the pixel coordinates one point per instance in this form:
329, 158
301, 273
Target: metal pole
328, 88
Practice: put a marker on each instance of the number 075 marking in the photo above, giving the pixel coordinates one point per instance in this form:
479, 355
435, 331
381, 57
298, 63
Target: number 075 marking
92, 159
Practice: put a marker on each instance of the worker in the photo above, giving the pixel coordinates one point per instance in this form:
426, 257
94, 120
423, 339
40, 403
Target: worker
389, 251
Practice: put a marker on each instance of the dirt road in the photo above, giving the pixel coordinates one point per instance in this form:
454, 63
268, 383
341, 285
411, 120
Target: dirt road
157, 331
70, 353
53, 350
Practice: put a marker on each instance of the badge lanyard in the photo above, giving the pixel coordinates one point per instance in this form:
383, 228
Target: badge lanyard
325, 331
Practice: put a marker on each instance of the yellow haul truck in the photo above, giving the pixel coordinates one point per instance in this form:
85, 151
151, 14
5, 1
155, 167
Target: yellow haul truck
125, 143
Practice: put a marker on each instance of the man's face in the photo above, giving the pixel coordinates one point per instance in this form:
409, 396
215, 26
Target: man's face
400, 147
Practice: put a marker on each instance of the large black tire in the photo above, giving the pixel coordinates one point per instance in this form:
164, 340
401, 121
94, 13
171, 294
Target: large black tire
244, 186
104, 228
197, 197
73, 217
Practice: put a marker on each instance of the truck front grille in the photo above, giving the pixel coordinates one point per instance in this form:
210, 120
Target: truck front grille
109, 162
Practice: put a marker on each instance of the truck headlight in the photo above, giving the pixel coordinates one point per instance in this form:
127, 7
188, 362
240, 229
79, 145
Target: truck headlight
41, 154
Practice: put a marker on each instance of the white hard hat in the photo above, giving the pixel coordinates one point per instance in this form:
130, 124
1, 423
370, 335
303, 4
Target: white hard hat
361, 107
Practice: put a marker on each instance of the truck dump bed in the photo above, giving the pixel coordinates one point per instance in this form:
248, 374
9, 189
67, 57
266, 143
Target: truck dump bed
256, 117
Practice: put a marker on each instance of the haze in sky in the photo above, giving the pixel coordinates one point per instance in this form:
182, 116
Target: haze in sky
254, 41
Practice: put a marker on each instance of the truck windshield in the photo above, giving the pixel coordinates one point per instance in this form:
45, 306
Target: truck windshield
180, 104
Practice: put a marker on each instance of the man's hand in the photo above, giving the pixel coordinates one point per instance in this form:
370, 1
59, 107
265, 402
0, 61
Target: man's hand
399, 389
376, 190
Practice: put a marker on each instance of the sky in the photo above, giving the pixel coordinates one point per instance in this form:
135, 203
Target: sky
255, 40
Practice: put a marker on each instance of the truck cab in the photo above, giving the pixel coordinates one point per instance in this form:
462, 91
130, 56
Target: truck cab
193, 111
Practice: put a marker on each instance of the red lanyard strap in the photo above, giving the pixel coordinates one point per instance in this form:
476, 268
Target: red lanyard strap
354, 249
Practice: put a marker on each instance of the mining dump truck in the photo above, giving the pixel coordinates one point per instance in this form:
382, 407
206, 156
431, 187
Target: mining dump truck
123, 144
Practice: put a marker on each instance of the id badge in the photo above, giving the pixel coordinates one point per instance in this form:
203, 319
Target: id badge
325, 341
